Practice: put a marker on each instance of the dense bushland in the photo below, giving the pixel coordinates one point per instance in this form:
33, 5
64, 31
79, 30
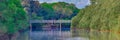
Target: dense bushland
100, 15
12, 16
54, 11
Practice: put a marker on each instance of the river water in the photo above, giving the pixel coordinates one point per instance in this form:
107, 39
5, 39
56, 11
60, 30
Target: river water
55, 35
78, 35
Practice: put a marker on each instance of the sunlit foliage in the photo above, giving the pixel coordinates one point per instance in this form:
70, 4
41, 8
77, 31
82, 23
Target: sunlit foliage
100, 15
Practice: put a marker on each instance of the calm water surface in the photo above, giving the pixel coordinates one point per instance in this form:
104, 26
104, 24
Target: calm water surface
54, 35
69, 35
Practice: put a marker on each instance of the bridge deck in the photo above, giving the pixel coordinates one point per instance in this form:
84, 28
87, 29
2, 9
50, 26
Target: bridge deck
50, 21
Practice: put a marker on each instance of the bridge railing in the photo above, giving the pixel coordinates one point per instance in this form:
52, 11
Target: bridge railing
50, 21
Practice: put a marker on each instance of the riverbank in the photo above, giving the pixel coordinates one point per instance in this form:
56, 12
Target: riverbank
91, 30
20, 35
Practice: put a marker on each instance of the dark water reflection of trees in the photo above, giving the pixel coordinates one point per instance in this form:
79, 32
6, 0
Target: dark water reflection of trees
95, 35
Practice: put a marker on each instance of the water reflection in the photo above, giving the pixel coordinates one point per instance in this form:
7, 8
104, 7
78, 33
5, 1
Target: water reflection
69, 35
54, 35
96, 35
104, 36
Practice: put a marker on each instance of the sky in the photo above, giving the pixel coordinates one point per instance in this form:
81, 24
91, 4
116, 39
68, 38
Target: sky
78, 3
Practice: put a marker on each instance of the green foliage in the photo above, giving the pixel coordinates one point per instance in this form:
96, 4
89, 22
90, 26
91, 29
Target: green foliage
100, 15
56, 11
12, 16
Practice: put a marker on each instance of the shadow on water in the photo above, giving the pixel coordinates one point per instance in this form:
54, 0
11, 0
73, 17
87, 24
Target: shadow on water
52, 32
96, 35
50, 27
104, 36
70, 35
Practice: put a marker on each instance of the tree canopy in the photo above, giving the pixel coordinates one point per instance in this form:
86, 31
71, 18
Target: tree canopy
48, 11
12, 16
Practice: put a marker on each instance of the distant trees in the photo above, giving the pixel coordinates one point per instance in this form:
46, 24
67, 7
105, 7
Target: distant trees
49, 11
12, 16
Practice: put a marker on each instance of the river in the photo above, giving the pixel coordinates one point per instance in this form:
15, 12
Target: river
54, 35
78, 35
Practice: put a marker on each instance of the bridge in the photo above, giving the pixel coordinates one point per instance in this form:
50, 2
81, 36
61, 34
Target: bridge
30, 11
50, 21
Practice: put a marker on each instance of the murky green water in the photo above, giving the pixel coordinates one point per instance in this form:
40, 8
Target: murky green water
23, 36
95, 35
104, 36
